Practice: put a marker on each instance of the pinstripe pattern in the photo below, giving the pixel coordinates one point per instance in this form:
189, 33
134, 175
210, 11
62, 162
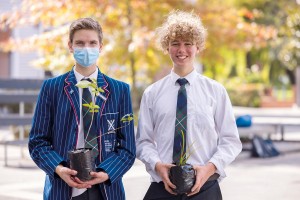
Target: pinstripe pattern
55, 131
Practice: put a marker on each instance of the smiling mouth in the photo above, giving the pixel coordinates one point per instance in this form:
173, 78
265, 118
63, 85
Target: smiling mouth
181, 57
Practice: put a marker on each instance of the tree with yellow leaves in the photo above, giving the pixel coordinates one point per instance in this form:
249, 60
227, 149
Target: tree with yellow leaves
130, 53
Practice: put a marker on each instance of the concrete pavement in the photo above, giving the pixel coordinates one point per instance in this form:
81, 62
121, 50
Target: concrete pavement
248, 178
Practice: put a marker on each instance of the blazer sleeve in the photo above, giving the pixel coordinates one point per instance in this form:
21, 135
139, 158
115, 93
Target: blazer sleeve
121, 160
40, 138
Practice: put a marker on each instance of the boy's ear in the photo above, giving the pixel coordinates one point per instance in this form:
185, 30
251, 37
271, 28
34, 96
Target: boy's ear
166, 51
100, 47
198, 49
70, 47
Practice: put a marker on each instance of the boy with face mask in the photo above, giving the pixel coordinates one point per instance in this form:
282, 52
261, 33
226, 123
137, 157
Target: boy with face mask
58, 125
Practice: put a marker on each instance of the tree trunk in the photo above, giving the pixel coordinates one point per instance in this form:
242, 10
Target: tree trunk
291, 75
135, 103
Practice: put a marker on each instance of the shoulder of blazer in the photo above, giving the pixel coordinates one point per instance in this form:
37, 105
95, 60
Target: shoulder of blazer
55, 85
57, 81
113, 82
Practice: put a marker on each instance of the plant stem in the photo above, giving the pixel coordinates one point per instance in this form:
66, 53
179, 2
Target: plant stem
109, 132
92, 120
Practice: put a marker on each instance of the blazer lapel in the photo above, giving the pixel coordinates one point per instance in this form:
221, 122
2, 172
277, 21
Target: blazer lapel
102, 98
73, 95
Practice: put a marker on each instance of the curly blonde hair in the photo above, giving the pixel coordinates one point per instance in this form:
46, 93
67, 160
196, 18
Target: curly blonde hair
181, 25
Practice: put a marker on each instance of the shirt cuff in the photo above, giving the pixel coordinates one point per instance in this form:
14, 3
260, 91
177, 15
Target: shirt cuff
153, 161
220, 169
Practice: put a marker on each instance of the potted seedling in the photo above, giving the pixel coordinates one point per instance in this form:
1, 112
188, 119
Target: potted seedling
81, 159
182, 175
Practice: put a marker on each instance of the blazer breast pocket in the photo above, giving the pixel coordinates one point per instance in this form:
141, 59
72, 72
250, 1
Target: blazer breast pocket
109, 130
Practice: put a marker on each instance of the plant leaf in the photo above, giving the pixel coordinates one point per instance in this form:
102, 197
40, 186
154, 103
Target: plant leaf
94, 80
86, 105
100, 90
94, 106
182, 159
83, 84
127, 118
93, 85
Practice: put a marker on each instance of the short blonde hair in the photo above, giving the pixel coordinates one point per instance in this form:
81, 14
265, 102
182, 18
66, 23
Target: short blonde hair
181, 25
85, 24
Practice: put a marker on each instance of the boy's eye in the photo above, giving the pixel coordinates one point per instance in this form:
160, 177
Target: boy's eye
79, 43
175, 44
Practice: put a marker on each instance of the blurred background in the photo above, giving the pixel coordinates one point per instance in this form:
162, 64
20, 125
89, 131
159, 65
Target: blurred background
253, 49
251, 44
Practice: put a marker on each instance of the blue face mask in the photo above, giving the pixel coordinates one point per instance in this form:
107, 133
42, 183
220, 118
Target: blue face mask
86, 56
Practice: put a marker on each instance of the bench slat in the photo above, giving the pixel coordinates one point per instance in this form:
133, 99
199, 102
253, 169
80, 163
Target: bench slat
17, 98
24, 84
16, 120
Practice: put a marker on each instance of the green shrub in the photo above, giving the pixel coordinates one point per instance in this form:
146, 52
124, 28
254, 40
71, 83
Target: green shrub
247, 95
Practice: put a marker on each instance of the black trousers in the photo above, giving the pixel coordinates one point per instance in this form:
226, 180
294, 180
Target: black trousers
90, 194
209, 191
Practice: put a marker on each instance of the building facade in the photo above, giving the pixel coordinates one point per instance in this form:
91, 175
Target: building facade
18, 64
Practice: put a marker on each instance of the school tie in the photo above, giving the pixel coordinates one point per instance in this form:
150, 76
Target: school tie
90, 131
180, 123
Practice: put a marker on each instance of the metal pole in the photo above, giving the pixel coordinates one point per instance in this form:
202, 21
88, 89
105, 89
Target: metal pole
282, 132
5, 154
298, 86
21, 113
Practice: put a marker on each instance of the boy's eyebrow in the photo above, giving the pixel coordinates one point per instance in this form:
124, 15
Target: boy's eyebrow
82, 40
190, 41
78, 41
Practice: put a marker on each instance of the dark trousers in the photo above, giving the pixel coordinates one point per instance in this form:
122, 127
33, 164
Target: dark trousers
209, 191
90, 194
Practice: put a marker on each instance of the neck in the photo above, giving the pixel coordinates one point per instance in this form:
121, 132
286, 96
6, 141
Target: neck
85, 71
182, 72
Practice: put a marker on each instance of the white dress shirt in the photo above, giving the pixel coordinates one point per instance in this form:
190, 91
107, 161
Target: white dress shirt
212, 135
80, 141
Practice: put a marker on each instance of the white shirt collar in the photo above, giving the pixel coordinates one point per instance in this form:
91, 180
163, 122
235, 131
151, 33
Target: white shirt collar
79, 76
190, 77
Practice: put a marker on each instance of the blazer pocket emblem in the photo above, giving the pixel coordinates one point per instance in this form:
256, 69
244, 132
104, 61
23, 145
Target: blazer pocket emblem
111, 126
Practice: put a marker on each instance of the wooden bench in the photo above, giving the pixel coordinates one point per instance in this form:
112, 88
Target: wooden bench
17, 92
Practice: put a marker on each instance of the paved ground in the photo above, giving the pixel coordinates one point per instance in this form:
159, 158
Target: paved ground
248, 178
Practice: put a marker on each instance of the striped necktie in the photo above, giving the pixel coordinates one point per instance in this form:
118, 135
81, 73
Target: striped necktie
181, 122
90, 131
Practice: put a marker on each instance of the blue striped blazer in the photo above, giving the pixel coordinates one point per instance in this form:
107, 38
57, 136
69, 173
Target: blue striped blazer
55, 130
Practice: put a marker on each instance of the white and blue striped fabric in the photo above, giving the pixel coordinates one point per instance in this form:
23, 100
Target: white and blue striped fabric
55, 131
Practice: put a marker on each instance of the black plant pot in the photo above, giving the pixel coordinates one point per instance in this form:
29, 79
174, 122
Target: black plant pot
183, 177
81, 161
